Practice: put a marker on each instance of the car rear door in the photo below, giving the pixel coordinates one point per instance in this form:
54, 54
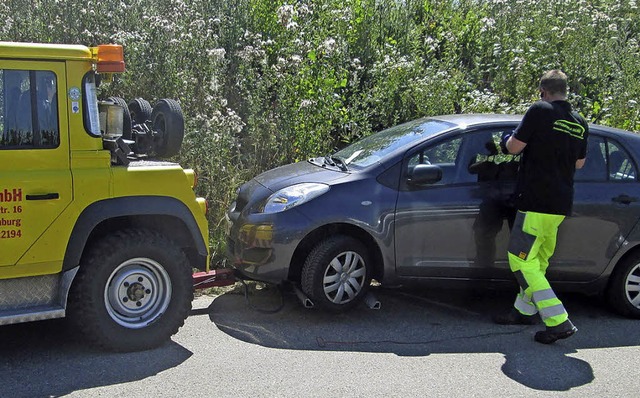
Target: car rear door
35, 176
606, 207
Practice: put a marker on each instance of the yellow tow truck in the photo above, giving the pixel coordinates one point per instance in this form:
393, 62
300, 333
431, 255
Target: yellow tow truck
93, 225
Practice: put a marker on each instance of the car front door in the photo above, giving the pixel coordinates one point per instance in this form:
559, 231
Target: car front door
457, 227
35, 176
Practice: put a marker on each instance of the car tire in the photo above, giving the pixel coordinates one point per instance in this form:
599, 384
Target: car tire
624, 288
126, 116
132, 292
140, 110
167, 121
337, 273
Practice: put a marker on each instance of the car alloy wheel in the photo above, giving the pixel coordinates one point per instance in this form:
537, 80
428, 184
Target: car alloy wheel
632, 286
344, 277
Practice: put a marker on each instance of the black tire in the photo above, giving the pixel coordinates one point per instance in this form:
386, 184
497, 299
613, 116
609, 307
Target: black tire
167, 122
132, 292
624, 288
126, 116
327, 283
140, 110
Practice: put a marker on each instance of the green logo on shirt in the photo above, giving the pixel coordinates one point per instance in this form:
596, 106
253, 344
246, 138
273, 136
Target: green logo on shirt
571, 128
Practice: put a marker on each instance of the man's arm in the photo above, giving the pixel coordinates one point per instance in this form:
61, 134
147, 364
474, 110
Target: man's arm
580, 163
515, 146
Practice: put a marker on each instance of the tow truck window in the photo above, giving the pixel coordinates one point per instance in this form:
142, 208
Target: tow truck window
90, 105
28, 110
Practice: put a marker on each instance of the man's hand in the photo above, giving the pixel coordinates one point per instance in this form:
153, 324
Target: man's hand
503, 142
510, 145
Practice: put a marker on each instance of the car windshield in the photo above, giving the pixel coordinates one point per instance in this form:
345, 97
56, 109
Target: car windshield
377, 146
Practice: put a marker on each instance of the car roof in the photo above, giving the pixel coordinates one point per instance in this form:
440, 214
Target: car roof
615, 131
472, 119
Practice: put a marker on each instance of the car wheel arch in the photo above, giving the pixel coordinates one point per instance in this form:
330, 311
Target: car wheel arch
311, 240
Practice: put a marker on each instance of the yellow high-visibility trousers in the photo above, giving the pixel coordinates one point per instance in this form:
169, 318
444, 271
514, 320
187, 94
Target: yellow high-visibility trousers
532, 243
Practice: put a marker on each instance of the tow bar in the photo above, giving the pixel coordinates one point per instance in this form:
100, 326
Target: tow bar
216, 277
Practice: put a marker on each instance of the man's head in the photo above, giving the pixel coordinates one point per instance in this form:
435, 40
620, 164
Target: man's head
553, 84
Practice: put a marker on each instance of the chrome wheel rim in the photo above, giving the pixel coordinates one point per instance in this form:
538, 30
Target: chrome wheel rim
344, 278
632, 286
137, 293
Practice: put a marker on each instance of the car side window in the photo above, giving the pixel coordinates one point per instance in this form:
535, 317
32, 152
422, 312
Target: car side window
595, 166
484, 159
473, 157
442, 154
606, 160
28, 109
620, 165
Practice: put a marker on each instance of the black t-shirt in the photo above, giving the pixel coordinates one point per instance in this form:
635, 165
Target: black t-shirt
556, 138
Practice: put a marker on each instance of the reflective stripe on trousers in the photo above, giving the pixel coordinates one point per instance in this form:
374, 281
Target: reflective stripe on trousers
532, 243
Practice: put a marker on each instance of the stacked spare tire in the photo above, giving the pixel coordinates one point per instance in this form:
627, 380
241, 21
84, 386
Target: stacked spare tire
155, 132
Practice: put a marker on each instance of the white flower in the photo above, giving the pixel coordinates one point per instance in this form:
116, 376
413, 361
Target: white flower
306, 104
217, 53
329, 46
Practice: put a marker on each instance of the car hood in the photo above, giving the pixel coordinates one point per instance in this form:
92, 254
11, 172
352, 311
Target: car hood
297, 173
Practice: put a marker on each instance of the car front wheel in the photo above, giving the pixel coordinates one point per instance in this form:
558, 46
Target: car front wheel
337, 273
624, 289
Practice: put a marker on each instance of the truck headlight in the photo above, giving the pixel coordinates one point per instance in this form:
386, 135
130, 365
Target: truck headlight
292, 196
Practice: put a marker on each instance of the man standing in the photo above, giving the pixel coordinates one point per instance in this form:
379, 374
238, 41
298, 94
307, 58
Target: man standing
553, 142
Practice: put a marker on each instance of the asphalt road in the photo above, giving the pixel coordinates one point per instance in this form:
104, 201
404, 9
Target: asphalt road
436, 344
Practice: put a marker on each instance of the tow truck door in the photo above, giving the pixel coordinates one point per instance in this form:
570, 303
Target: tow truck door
35, 175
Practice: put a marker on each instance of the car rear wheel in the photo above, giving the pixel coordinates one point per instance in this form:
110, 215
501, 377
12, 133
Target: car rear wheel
337, 273
624, 288
132, 292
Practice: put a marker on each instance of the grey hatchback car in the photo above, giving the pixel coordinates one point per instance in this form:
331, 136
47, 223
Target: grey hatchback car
430, 201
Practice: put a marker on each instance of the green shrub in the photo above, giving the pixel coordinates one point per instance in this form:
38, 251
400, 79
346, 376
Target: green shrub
267, 82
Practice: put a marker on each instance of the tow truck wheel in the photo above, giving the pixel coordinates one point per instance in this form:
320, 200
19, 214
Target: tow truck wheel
126, 116
140, 110
132, 292
337, 273
167, 122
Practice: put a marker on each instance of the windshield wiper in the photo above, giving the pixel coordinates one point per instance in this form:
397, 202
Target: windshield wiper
337, 162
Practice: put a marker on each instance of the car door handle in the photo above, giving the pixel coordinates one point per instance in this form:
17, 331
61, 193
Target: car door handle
624, 199
46, 196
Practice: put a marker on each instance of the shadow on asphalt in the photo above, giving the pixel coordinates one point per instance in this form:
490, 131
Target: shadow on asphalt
32, 348
417, 323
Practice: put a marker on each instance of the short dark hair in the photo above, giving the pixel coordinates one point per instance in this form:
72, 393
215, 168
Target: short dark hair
554, 81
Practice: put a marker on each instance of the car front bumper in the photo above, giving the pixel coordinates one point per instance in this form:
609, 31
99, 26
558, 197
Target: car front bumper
261, 246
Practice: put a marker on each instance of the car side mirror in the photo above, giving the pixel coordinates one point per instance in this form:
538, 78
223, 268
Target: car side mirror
425, 174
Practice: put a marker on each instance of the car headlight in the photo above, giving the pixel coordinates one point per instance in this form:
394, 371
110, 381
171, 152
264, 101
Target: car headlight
292, 196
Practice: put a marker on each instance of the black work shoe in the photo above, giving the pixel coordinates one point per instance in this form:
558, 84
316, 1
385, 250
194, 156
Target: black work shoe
514, 317
552, 334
